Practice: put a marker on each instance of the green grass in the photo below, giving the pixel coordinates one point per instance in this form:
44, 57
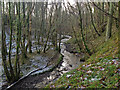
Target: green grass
96, 73
99, 71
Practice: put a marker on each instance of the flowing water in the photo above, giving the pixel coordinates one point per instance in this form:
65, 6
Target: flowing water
70, 61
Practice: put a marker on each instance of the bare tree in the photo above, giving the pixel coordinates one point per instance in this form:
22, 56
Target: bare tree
81, 28
109, 22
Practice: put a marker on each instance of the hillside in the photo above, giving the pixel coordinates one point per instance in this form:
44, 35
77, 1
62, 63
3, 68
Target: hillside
100, 70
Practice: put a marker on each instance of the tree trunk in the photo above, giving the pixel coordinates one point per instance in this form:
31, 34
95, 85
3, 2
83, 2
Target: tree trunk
60, 20
118, 15
4, 47
24, 55
102, 12
93, 21
76, 38
17, 71
99, 14
45, 45
43, 22
30, 28
80, 23
119, 29
109, 22
10, 44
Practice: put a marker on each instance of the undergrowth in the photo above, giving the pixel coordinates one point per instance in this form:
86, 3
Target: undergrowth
100, 70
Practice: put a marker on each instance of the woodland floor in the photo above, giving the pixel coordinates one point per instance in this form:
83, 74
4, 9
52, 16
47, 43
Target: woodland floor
31, 81
101, 70
41, 80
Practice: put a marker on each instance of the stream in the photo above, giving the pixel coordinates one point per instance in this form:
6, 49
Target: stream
70, 61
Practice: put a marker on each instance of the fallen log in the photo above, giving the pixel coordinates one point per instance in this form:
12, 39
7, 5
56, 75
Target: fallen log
34, 72
24, 77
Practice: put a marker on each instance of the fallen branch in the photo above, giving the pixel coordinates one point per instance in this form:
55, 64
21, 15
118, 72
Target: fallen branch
31, 73
25, 77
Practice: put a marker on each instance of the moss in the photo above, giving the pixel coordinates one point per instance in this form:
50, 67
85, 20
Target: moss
104, 79
102, 70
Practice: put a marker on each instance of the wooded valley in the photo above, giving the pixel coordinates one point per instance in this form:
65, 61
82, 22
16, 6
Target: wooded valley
62, 44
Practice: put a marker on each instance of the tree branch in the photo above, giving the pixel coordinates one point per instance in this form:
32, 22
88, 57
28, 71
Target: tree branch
105, 12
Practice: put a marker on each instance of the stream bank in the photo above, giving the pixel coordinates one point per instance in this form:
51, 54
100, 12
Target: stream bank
39, 63
68, 63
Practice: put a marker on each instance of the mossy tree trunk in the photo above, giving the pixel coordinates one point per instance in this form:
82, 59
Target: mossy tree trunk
109, 22
24, 54
39, 31
10, 44
76, 38
81, 28
36, 17
119, 28
36, 11
100, 14
60, 19
17, 63
118, 15
55, 32
48, 35
27, 28
30, 28
103, 13
43, 21
93, 21
4, 47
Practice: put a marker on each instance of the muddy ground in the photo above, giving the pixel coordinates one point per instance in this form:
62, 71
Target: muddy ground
41, 80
